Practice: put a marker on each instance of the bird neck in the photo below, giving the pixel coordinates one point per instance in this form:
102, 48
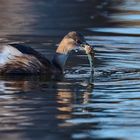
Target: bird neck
63, 47
59, 61
62, 53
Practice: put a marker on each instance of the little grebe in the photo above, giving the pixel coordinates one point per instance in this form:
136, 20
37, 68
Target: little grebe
20, 59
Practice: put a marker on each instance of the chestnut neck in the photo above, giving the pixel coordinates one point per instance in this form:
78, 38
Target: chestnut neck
61, 55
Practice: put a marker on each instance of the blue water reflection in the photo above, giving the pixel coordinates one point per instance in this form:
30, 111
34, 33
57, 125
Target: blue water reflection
35, 108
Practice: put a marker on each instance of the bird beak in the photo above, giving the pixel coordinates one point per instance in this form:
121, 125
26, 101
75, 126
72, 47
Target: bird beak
84, 46
88, 48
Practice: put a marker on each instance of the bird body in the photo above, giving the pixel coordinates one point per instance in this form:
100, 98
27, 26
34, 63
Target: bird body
21, 59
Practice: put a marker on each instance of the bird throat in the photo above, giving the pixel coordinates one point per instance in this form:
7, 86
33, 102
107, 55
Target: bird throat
59, 60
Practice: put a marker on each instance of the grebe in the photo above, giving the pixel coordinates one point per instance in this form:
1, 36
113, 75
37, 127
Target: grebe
20, 59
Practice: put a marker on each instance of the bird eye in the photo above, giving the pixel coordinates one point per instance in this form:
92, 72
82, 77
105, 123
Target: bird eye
79, 42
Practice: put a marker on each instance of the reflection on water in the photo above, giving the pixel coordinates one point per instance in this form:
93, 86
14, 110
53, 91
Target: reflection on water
122, 30
72, 108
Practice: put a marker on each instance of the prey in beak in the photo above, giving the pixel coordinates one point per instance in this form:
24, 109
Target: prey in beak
90, 53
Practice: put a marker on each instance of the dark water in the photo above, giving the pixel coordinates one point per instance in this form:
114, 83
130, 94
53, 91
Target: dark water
35, 108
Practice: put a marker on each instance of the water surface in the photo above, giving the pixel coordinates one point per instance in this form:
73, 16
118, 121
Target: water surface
35, 108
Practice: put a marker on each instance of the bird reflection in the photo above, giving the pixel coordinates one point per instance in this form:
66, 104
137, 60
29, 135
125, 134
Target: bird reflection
41, 104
